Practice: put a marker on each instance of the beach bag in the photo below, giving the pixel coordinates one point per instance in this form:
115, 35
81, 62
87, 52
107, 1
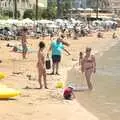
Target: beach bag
48, 63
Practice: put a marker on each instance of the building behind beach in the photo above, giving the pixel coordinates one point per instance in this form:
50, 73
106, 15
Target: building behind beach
108, 5
116, 6
22, 5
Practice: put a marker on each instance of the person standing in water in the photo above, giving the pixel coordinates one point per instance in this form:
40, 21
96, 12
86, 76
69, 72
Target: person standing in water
24, 43
88, 66
41, 65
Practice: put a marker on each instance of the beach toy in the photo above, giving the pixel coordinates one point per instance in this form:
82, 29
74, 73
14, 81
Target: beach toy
2, 75
6, 93
59, 84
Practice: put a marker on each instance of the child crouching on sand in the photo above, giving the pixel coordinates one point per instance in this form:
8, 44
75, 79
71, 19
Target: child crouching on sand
41, 65
68, 93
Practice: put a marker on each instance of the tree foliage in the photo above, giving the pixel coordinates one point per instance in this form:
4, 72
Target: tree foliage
66, 6
8, 13
29, 13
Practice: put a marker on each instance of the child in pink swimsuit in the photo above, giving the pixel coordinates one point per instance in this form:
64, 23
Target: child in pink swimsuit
68, 93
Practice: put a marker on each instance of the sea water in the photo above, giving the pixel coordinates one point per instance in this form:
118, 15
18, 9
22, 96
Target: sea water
104, 101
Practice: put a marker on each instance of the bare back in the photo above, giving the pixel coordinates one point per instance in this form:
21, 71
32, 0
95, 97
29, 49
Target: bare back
41, 59
24, 41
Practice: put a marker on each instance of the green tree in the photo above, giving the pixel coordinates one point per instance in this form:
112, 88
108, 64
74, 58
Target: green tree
29, 13
49, 13
66, 6
15, 8
9, 14
63, 7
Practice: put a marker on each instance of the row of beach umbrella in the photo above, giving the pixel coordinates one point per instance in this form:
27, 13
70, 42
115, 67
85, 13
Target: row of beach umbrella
82, 9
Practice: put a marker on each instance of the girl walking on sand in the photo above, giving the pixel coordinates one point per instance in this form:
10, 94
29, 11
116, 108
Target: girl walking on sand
41, 65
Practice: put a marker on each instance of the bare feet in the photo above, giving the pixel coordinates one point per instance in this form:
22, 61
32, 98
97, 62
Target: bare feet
90, 88
57, 73
46, 87
52, 73
40, 87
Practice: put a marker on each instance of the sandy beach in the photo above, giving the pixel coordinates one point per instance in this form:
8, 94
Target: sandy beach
34, 104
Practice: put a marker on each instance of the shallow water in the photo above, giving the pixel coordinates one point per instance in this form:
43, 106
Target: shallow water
104, 100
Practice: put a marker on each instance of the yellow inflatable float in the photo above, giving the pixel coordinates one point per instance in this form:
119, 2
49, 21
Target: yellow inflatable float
2, 75
6, 93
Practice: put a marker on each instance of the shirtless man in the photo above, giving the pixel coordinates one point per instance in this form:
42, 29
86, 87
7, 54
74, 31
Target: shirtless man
41, 65
24, 43
88, 66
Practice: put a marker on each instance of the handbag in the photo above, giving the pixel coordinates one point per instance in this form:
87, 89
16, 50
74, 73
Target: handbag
48, 63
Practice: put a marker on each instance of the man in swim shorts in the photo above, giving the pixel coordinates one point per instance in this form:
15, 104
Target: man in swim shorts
57, 47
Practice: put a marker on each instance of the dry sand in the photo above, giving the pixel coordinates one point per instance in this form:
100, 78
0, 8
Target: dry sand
34, 104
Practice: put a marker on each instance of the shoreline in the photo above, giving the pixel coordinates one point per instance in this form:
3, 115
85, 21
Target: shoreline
47, 102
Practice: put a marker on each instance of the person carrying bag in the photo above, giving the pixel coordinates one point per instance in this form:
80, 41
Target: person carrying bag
48, 62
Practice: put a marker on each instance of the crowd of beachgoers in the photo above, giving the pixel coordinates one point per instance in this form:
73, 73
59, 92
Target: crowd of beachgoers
11, 29
61, 33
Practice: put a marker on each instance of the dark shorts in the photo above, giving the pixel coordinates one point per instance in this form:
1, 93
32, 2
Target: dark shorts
56, 58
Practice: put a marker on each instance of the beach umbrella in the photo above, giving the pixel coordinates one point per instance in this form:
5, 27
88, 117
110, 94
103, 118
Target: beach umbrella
117, 19
12, 21
99, 9
70, 26
88, 9
27, 20
80, 9
45, 21
73, 20
98, 22
66, 21
59, 20
73, 9
52, 26
2, 21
